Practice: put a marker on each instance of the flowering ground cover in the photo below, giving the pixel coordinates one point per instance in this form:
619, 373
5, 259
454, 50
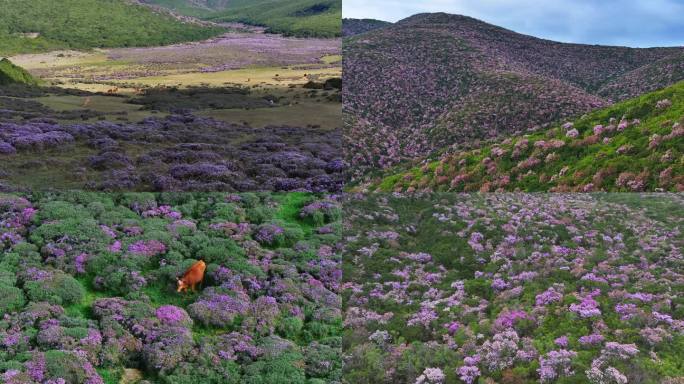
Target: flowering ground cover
513, 288
635, 145
172, 153
351, 27
88, 288
432, 81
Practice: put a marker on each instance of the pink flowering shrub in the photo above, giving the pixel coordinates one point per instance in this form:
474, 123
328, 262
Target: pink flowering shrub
516, 288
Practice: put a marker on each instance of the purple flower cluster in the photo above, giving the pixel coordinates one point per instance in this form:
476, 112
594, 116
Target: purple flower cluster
268, 234
147, 248
199, 153
494, 307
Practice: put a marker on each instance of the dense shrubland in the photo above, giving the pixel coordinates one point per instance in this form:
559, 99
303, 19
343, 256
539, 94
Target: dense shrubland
351, 27
513, 288
181, 151
433, 81
87, 288
302, 18
631, 146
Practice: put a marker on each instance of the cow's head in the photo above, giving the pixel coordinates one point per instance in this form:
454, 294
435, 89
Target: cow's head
181, 286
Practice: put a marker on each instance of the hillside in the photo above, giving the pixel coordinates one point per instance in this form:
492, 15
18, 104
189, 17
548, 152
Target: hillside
635, 145
436, 80
196, 8
352, 27
12, 74
303, 18
647, 78
39, 25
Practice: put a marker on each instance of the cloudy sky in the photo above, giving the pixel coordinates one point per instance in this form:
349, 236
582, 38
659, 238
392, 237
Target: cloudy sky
634, 23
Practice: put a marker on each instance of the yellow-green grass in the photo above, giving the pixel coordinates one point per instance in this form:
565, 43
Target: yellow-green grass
270, 76
327, 115
61, 59
74, 69
111, 106
332, 59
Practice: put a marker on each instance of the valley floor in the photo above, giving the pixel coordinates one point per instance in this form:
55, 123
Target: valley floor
241, 112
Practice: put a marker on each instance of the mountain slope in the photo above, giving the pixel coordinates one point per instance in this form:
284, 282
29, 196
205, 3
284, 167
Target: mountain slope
647, 78
352, 27
37, 25
196, 8
303, 18
12, 74
436, 80
635, 145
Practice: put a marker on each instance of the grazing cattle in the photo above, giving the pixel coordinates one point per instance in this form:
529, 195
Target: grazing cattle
193, 276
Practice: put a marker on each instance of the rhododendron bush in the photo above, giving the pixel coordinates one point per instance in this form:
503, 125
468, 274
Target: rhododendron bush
513, 288
633, 146
88, 288
179, 152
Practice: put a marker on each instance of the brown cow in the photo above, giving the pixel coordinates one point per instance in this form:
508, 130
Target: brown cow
193, 276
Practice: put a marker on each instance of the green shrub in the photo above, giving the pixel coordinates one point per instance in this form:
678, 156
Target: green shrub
11, 299
290, 327
60, 289
283, 369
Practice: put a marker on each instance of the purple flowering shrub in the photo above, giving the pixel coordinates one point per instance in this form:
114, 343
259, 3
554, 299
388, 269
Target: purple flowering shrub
88, 287
596, 152
179, 152
513, 288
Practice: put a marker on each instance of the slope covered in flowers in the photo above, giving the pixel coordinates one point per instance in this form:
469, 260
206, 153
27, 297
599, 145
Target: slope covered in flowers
513, 288
636, 145
88, 288
434, 80
645, 79
351, 27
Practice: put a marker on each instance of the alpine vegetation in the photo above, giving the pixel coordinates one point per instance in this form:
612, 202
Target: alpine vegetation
433, 83
89, 288
513, 288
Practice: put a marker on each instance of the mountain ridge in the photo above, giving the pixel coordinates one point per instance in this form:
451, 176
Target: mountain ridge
433, 81
352, 27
